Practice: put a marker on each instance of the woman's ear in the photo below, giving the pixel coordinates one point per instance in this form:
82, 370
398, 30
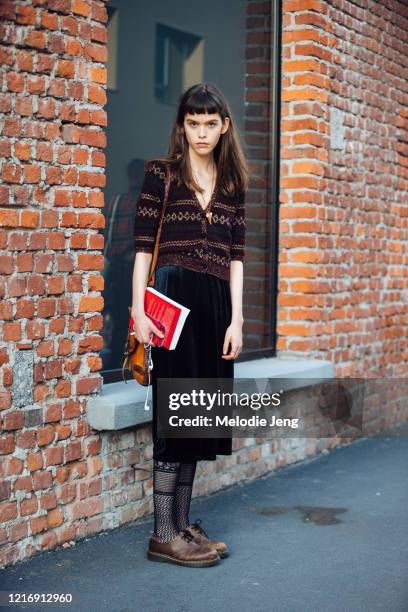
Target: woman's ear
225, 125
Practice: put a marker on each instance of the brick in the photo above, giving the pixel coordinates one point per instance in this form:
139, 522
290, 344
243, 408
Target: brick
96, 95
98, 53
35, 330
36, 285
90, 262
48, 500
12, 332
28, 506
11, 173
66, 69
6, 57
7, 444
18, 531
42, 480
91, 304
26, 439
14, 420
34, 461
74, 47
92, 138
8, 511
24, 60
63, 388
86, 386
92, 179
73, 451
99, 33
15, 82
29, 218
5, 399
32, 173
38, 524
53, 369
24, 106
12, 128
22, 150
57, 88
36, 39
12, 466
98, 75
49, 21
46, 109
45, 435
25, 309
26, 15
86, 508
54, 455
6, 264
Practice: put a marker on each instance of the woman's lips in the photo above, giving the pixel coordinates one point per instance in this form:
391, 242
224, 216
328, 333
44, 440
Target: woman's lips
202, 144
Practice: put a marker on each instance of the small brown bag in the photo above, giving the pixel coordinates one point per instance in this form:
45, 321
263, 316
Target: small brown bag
137, 355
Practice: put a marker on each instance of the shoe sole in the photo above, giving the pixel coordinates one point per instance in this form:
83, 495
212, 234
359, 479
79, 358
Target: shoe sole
167, 559
223, 554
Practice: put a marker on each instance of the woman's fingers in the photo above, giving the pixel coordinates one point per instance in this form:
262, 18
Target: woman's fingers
226, 343
144, 330
156, 330
234, 352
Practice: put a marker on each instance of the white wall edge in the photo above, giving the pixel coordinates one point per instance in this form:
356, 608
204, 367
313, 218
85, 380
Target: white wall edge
121, 404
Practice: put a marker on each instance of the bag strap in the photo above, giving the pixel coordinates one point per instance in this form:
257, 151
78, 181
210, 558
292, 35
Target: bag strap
156, 246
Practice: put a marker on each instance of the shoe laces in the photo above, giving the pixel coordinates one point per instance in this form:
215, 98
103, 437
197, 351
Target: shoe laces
186, 535
197, 527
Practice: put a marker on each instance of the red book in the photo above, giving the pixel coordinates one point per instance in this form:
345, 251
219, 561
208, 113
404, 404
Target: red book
169, 316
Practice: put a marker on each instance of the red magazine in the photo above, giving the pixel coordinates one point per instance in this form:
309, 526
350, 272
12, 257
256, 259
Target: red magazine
169, 316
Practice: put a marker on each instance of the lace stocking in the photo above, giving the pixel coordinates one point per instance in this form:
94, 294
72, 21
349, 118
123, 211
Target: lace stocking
184, 490
165, 475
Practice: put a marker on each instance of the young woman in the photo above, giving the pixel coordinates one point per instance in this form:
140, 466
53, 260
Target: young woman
200, 265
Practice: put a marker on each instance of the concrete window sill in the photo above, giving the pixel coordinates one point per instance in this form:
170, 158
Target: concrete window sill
121, 404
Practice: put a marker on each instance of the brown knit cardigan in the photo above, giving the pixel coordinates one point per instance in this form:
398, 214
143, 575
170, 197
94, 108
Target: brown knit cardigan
188, 238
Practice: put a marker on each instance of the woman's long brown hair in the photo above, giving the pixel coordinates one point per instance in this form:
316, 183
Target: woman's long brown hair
232, 169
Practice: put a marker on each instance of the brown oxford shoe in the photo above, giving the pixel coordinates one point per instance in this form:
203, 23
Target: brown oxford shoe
202, 538
182, 550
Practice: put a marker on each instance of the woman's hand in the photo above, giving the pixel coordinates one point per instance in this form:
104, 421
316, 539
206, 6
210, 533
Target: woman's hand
144, 327
233, 337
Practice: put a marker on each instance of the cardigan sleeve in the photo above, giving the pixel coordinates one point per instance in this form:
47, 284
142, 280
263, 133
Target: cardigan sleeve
149, 208
238, 227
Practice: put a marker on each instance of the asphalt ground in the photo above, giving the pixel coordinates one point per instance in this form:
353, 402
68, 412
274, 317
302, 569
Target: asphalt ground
326, 534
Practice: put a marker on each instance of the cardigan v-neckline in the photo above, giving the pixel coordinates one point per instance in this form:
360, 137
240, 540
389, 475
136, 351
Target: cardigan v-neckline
208, 205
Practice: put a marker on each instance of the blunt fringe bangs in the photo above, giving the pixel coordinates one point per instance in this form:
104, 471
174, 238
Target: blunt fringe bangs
232, 169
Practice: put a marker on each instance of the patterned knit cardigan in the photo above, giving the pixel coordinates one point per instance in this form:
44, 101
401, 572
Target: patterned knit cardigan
189, 238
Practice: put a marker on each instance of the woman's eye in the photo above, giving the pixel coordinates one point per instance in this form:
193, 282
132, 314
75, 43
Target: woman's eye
210, 124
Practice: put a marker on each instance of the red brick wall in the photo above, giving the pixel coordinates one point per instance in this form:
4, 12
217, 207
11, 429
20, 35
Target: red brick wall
52, 97
343, 230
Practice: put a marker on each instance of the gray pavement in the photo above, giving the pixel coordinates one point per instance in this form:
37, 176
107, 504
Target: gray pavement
327, 534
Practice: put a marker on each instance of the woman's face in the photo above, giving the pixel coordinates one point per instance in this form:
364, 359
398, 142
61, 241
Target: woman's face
203, 131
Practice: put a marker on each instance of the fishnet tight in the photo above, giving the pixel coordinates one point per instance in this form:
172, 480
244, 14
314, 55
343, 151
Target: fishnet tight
165, 476
183, 494
172, 487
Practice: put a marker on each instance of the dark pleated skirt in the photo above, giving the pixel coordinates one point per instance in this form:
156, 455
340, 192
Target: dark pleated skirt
197, 354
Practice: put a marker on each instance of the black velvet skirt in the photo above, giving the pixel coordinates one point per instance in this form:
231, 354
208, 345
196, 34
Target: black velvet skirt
198, 353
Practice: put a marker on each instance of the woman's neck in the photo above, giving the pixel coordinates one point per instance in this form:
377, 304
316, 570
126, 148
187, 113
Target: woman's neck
201, 164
